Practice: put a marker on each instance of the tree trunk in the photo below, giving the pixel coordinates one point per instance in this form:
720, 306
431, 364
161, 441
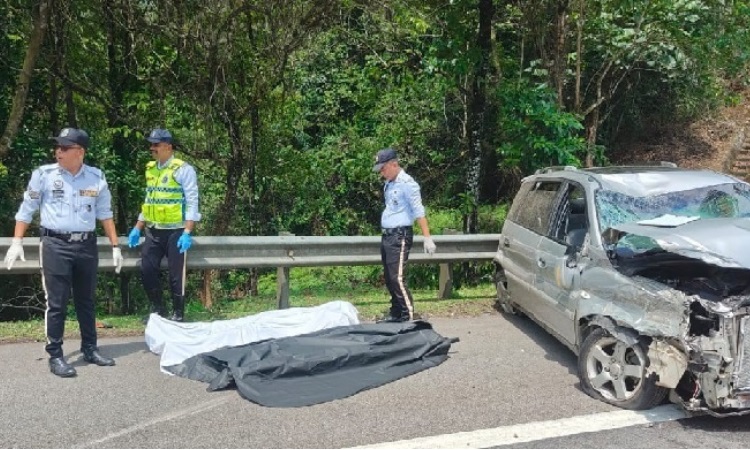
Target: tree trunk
235, 168
121, 80
592, 126
579, 56
478, 111
560, 61
24, 77
255, 220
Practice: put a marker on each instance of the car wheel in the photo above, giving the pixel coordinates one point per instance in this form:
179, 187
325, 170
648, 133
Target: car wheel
503, 296
615, 372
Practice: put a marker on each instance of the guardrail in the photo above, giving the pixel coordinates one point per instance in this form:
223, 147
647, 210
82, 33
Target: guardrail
285, 252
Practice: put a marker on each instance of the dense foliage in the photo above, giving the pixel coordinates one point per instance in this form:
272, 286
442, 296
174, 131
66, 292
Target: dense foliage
282, 105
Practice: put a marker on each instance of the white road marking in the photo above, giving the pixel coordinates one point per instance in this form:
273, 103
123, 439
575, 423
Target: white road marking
535, 431
195, 409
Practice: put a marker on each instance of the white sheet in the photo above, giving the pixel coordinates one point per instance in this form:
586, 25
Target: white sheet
177, 341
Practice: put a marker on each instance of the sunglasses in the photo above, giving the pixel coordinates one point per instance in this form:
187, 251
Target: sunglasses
65, 148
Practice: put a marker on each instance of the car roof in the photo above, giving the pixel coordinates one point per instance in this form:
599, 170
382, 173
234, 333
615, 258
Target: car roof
642, 180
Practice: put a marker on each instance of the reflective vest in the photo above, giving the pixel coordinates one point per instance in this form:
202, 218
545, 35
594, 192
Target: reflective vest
165, 200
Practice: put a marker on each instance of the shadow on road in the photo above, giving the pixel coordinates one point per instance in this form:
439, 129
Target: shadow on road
719, 425
554, 350
111, 351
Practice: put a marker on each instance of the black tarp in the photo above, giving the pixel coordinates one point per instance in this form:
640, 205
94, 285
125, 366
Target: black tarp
322, 366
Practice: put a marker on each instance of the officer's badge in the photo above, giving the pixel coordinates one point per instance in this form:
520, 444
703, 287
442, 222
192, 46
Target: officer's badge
65, 132
58, 184
165, 179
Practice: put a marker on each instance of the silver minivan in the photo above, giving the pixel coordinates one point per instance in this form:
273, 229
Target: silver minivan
644, 273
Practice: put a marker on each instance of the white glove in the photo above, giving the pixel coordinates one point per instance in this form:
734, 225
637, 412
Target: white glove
14, 251
117, 256
429, 245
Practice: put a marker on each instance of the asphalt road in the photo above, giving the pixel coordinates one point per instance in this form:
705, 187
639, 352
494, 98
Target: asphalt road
504, 372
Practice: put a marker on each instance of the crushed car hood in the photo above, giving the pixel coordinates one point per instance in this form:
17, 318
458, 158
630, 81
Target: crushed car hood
720, 242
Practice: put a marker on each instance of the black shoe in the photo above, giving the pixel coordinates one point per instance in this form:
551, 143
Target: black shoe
178, 308
94, 357
389, 319
61, 368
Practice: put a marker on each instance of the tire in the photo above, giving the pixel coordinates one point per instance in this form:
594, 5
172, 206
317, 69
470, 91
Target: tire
615, 372
503, 302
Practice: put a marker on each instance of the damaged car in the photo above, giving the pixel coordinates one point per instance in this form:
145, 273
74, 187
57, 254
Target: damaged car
644, 273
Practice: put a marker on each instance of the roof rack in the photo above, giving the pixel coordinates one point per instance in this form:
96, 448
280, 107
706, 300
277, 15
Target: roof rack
555, 169
648, 164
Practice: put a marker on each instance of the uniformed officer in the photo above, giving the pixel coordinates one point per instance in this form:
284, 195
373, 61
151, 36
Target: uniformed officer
70, 197
168, 216
403, 205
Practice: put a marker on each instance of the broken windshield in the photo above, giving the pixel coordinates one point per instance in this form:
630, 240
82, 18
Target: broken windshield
723, 200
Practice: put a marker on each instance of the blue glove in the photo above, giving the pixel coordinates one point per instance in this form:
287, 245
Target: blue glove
184, 242
134, 237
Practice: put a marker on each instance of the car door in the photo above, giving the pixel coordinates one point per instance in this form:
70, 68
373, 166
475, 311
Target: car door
557, 258
517, 245
529, 221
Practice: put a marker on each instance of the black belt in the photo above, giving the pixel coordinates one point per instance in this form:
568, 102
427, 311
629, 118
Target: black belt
162, 231
74, 236
397, 230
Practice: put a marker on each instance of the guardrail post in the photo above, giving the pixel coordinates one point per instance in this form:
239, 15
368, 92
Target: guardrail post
445, 288
282, 282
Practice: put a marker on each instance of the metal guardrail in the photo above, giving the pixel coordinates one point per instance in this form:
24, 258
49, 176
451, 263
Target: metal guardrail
284, 252
232, 252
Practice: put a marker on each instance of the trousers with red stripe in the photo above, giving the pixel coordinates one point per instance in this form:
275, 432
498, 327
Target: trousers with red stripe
394, 252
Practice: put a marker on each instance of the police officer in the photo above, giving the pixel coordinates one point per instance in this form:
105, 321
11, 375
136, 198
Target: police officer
403, 205
70, 196
168, 217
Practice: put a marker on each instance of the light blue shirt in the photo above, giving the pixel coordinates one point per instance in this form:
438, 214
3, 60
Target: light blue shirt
403, 202
67, 203
188, 179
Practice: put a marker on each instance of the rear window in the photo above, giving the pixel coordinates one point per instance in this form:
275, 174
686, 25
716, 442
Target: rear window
534, 205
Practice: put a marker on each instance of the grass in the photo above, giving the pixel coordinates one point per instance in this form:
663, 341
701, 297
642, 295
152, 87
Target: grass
370, 302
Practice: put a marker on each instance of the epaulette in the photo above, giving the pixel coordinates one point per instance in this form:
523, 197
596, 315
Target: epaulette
94, 171
47, 168
151, 164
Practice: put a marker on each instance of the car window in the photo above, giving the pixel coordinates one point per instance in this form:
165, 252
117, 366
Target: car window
518, 200
535, 210
572, 225
719, 201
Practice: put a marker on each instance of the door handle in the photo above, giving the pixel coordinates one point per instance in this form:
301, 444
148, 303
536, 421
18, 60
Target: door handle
506, 242
541, 263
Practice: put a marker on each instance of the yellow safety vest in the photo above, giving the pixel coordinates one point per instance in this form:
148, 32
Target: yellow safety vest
165, 200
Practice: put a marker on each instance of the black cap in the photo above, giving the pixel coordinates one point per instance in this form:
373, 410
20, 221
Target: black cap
72, 136
160, 135
383, 156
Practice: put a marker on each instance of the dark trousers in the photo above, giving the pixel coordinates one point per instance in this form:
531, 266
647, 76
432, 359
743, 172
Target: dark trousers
66, 266
394, 252
160, 243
